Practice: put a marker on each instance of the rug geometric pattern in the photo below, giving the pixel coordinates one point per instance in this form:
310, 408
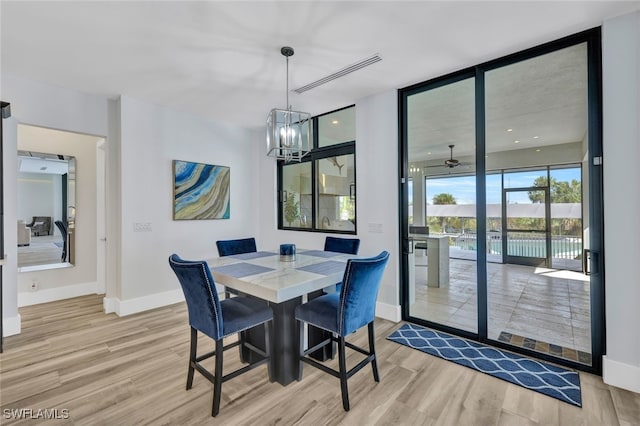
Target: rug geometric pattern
548, 379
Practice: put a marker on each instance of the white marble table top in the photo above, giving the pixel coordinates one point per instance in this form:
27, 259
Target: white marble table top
263, 275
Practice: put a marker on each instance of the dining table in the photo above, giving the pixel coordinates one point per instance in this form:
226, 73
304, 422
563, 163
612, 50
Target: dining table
283, 284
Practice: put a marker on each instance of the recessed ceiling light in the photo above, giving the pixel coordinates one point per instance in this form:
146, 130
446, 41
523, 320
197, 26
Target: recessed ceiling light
538, 150
429, 153
516, 141
509, 130
335, 122
536, 137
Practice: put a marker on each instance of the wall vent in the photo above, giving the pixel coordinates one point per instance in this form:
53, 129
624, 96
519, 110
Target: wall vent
344, 71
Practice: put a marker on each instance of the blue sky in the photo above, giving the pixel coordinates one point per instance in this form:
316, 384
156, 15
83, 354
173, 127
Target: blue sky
463, 188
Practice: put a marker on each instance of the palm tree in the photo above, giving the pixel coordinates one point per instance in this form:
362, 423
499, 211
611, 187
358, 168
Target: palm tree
444, 198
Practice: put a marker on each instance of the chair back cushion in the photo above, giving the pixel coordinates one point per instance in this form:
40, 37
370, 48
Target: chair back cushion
359, 292
342, 245
205, 312
229, 247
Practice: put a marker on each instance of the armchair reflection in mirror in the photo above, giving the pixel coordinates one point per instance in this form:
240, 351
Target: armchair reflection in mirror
46, 206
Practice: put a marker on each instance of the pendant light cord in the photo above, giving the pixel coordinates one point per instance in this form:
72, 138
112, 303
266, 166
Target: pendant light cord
288, 106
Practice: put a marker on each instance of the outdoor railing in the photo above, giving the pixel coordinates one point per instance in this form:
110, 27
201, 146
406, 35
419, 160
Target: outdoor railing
523, 244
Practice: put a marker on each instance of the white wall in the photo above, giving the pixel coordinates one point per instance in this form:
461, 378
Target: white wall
56, 283
377, 192
621, 154
377, 195
50, 106
151, 137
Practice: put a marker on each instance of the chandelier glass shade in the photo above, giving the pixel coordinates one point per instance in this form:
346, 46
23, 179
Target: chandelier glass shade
288, 132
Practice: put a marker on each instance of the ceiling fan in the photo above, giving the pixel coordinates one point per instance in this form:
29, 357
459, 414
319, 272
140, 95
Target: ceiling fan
450, 162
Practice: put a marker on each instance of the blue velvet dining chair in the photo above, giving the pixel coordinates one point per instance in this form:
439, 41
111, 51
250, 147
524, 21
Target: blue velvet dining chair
342, 245
218, 319
231, 247
342, 314
239, 246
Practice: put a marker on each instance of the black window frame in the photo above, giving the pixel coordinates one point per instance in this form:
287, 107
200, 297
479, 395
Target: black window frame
317, 153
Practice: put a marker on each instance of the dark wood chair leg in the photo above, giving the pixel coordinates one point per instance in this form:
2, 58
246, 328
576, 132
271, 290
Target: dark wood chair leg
217, 386
343, 373
192, 356
372, 349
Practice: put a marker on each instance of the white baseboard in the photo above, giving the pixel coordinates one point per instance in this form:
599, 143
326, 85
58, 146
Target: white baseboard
27, 298
388, 312
140, 304
109, 304
11, 326
621, 375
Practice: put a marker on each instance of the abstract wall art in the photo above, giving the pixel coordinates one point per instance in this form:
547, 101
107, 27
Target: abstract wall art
200, 191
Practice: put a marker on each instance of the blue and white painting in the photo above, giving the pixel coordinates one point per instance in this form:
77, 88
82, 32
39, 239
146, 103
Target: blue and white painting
200, 191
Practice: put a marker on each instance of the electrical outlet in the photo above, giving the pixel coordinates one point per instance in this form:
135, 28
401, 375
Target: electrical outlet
34, 286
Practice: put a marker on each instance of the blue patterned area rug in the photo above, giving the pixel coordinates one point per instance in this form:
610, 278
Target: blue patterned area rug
538, 376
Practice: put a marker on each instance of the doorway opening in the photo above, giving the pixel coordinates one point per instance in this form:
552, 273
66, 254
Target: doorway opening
61, 259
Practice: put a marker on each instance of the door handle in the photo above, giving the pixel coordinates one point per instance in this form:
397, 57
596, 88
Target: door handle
595, 262
410, 247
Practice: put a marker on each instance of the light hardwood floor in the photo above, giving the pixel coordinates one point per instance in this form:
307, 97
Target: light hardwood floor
107, 370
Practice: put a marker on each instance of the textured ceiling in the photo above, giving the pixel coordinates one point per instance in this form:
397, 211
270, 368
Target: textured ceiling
542, 100
221, 60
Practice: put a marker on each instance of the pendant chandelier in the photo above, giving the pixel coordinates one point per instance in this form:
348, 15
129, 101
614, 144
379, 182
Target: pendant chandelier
288, 132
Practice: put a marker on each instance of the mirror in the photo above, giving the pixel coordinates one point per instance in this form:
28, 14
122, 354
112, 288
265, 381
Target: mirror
46, 210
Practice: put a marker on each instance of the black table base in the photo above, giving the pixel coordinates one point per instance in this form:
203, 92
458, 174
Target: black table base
284, 342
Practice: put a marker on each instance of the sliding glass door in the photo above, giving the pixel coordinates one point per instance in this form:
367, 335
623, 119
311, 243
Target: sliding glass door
441, 190
501, 198
537, 127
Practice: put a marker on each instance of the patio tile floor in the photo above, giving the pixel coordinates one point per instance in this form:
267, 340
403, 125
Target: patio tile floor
544, 309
